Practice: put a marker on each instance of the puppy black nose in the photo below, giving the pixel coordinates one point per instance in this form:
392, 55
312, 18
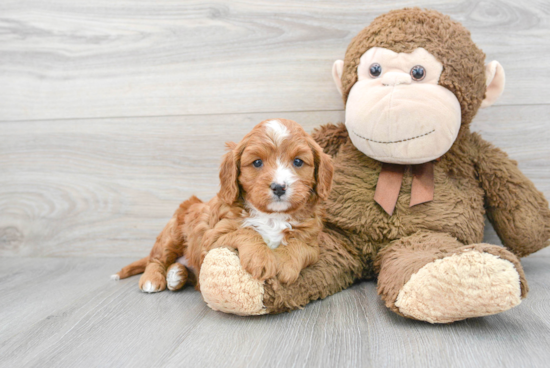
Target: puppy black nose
278, 189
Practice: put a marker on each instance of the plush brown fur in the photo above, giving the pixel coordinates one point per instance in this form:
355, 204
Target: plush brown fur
361, 241
198, 227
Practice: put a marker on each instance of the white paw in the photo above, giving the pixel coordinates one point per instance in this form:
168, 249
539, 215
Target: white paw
115, 277
173, 278
149, 287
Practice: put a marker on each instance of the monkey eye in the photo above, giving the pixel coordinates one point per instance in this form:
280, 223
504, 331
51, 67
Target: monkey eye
258, 163
298, 162
375, 70
418, 72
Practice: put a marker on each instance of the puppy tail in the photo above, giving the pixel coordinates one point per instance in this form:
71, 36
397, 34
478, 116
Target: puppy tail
132, 269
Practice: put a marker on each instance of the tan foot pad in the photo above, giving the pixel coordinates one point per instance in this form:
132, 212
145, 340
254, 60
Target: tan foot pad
227, 287
465, 285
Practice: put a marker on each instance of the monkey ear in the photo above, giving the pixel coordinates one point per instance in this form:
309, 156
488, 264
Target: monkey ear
337, 69
229, 172
494, 74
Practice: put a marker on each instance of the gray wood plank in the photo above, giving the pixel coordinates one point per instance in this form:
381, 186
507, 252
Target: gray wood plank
112, 324
64, 59
33, 289
116, 312
107, 187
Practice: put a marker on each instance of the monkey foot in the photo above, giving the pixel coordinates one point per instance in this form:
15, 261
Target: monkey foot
225, 286
464, 285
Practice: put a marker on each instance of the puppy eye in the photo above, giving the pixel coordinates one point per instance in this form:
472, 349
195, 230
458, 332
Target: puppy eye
258, 163
418, 72
298, 162
375, 70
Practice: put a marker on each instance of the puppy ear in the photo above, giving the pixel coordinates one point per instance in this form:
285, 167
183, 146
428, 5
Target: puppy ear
324, 170
229, 173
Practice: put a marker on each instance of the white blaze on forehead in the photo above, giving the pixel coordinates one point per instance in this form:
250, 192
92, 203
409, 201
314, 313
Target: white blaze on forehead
276, 131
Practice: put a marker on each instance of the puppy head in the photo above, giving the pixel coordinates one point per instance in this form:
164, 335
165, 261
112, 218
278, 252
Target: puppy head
277, 167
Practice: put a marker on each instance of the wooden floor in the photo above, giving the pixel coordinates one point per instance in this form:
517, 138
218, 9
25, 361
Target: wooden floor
112, 112
65, 312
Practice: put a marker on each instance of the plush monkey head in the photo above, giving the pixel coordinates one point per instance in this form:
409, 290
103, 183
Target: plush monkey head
412, 81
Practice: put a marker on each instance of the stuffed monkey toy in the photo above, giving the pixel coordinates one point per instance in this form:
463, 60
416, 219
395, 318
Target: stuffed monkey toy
411, 185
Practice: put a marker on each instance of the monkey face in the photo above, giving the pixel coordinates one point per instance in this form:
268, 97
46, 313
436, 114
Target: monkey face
397, 112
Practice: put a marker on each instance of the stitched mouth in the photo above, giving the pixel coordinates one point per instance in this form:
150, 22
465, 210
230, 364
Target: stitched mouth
389, 142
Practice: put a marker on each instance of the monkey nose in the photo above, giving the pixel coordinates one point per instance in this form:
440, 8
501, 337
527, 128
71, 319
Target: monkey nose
278, 189
395, 78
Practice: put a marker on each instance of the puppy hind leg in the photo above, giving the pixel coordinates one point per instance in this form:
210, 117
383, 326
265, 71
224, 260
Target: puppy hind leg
153, 279
176, 276
167, 248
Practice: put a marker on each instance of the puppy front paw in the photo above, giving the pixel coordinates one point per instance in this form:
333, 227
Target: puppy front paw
288, 272
288, 269
260, 263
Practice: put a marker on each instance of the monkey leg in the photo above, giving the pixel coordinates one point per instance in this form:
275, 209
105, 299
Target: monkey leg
226, 287
433, 277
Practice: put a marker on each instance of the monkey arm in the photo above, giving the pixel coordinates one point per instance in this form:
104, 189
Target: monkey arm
330, 137
518, 211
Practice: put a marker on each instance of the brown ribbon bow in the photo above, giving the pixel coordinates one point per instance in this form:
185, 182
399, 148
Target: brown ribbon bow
389, 184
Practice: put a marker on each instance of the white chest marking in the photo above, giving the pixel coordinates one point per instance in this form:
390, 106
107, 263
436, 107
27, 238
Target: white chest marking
269, 225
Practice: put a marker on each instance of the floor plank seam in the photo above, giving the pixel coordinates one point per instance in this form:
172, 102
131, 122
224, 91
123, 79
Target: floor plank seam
213, 114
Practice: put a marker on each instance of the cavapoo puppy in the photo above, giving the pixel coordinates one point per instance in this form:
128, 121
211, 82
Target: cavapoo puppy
268, 209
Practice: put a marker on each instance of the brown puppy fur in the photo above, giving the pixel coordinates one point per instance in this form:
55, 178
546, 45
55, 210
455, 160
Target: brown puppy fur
473, 178
247, 213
